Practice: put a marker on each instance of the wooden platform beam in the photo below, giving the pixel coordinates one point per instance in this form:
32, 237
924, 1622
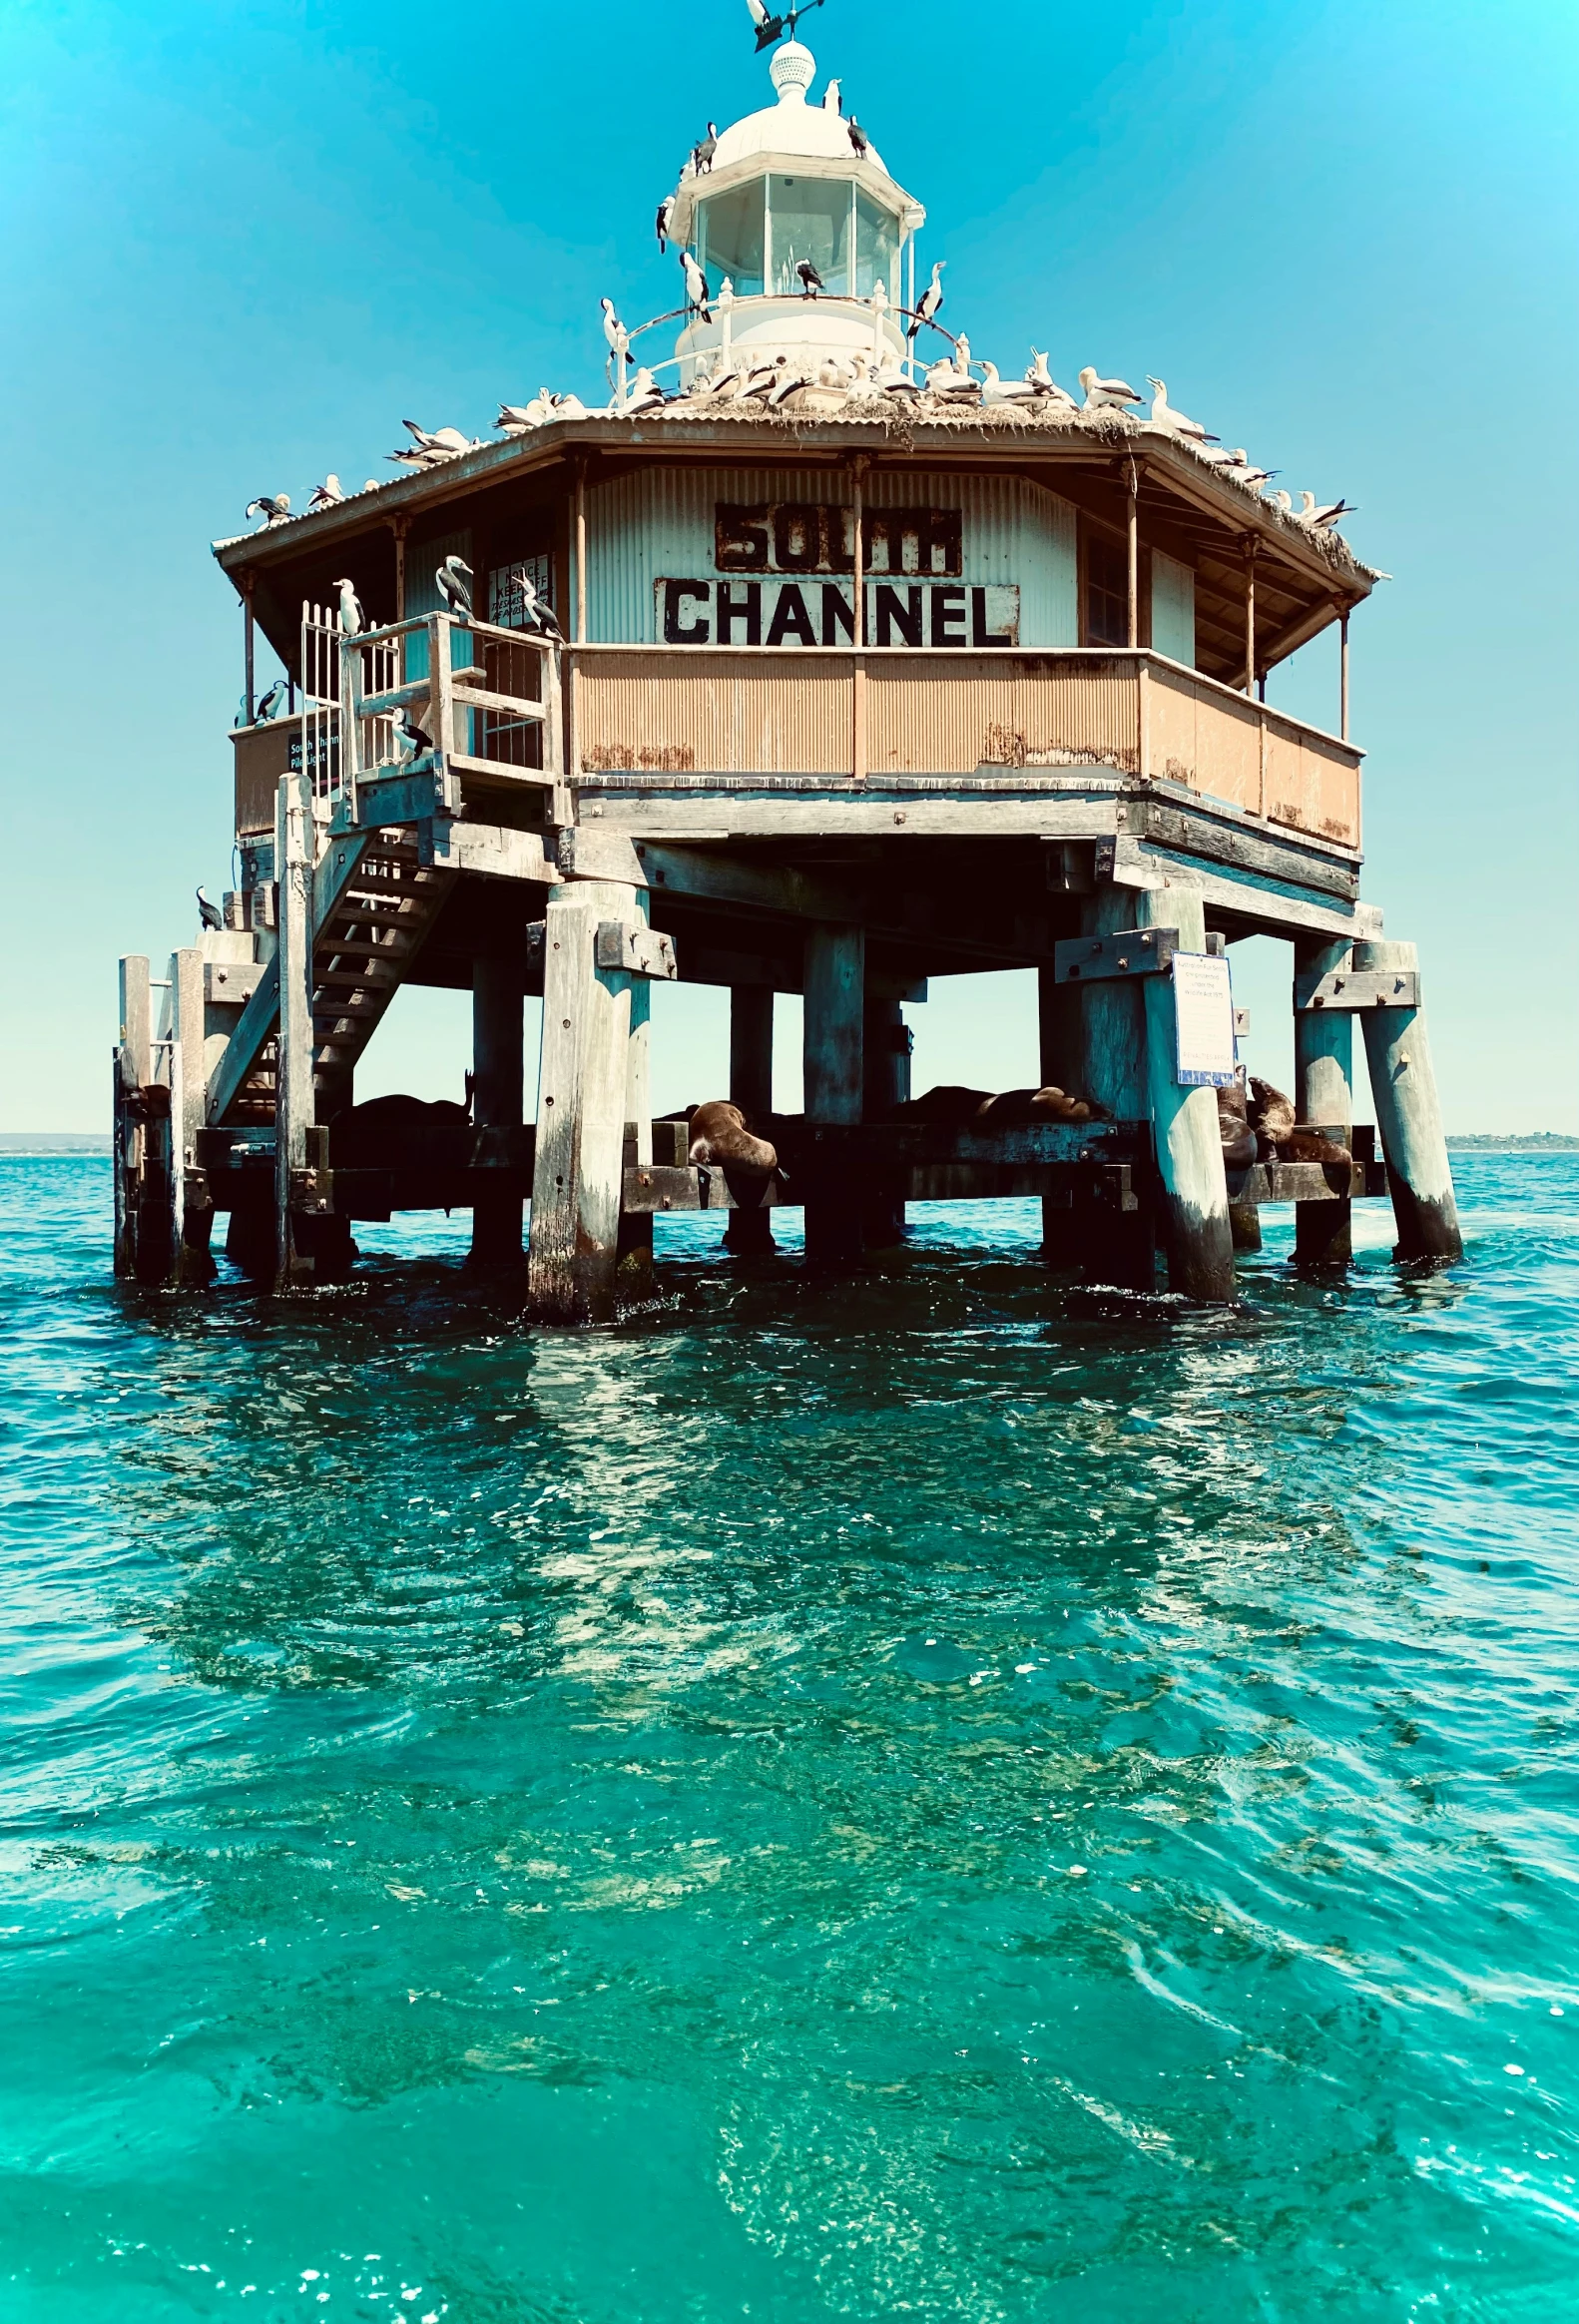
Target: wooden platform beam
750, 1232
1192, 1203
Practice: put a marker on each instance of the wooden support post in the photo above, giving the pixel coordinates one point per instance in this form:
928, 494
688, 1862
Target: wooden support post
885, 1068
1343, 676
249, 650
1060, 1060
586, 1084
834, 988
1324, 1088
633, 1271
1408, 1117
191, 1208
1116, 1248
399, 526
498, 987
295, 848
1193, 1219
580, 632
1250, 613
133, 1070
1133, 600
752, 1089
1244, 1219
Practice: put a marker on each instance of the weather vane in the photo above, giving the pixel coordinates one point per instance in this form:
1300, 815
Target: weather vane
769, 27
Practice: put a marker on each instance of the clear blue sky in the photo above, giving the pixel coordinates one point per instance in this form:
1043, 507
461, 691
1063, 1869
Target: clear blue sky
242, 242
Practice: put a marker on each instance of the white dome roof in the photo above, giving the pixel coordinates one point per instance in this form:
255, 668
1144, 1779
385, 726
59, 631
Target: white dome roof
791, 126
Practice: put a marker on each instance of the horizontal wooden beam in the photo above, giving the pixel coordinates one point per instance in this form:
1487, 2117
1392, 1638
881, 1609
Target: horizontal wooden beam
1359, 988
1131, 953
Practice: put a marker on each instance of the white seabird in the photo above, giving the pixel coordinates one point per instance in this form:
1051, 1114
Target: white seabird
538, 615
1106, 394
353, 619
697, 292
613, 330
832, 101
272, 507
703, 154
996, 390
451, 581
411, 739
666, 210
930, 302
326, 495
1163, 416
272, 703
1241, 467
1320, 519
644, 394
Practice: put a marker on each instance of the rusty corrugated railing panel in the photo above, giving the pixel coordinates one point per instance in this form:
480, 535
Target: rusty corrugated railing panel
714, 713
927, 715
1313, 784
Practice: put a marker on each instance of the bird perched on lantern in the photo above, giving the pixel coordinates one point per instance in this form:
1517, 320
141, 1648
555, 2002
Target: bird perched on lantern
697, 292
930, 304
810, 279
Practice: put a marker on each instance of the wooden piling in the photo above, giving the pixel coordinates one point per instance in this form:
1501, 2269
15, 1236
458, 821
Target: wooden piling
192, 1208
752, 1089
1060, 1061
1113, 1247
498, 987
134, 1059
834, 1068
1243, 1220
886, 1075
294, 849
633, 1273
1192, 1222
583, 1092
1323, 1095
1408, 1117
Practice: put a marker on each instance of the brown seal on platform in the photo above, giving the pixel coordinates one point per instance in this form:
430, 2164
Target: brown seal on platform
720, 1140
1280, 1137
957, 1108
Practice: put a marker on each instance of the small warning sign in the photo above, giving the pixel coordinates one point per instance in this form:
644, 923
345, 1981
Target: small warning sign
1204, 1016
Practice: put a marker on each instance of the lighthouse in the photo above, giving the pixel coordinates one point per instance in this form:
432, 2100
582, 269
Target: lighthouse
836, 651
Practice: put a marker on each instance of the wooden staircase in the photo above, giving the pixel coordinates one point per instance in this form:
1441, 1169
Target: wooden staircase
378, 918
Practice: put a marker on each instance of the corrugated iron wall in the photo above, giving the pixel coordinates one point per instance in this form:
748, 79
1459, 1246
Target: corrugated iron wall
657, 525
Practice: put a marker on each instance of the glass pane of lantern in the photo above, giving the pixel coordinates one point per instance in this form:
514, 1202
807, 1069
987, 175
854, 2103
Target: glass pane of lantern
729, 240
810, 219
876, 250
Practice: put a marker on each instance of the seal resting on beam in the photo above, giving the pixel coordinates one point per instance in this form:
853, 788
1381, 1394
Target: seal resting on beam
1278, 1137
721, 1140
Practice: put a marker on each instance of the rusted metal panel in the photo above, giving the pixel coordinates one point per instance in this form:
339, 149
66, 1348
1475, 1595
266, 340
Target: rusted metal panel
1205, 737
932, 717
1311, 785
658, 524
742, 713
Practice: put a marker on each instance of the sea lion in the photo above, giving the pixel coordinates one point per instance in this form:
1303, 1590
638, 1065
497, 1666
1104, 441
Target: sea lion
957, 1108
720, 1140
947, 1104
1233, 1127
1279, 1138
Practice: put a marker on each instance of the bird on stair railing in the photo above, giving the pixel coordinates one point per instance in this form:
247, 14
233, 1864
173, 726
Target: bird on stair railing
208, 910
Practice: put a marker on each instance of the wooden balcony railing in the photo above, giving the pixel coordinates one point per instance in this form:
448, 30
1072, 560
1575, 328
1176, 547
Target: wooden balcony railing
845, 714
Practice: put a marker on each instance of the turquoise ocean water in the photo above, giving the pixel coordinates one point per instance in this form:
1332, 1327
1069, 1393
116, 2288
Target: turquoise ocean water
925, 1795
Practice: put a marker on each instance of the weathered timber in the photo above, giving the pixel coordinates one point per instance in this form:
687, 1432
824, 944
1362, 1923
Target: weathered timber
498, 1091
885, 1071
1351, 991
192, 1210
294, 1094
1138, 952
834, 1068
1112, 1072
750, 1229
586, 1072
1323, 1085
1408, 1115
1191, 1200
133, 1069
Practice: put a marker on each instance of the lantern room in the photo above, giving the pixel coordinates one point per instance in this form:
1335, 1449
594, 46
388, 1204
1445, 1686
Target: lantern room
796, 185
